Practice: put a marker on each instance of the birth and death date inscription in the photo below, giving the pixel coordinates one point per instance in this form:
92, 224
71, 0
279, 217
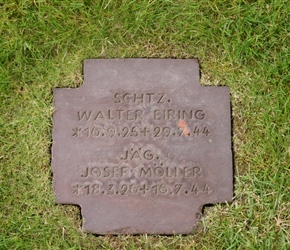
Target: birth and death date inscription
143, 188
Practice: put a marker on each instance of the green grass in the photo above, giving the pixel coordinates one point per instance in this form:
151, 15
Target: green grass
241, 44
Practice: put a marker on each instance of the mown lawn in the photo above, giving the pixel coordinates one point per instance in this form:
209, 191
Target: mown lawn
240, 44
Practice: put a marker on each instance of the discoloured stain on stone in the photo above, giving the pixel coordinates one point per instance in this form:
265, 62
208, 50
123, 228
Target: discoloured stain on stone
184, 128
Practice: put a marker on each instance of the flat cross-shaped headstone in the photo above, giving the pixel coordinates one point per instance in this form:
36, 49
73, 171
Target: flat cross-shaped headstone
141, 146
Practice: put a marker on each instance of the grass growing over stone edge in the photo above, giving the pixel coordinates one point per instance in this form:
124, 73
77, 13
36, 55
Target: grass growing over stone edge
241, 44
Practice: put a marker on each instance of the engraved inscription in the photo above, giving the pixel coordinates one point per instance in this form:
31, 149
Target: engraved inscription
118, 114
175, 172
171, 114
138, 114
98, 171
144, 188
105, 172
137, 154
136, 131
142, 170
138, 98
190, 123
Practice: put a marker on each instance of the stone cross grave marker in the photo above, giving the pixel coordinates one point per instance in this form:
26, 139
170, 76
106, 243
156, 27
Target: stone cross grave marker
141, 147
